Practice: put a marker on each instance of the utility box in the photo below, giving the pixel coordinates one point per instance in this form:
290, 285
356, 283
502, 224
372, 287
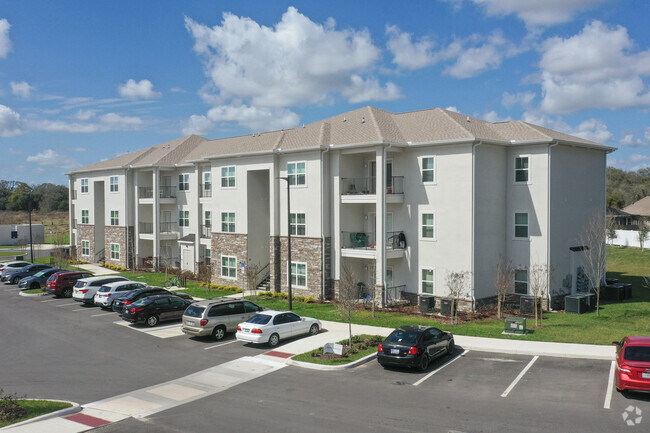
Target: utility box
527, 305
427, 303
515, 325
445, 307
575, 304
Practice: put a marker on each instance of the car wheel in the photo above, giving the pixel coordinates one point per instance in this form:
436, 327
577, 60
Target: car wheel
313, 330
451, 347
274, 340
424, 362
152, 320
219, 332
14, 280
67, 293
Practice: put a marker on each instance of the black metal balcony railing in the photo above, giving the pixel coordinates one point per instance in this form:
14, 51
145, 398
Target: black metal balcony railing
145, 192
168, 227
367, 185
206, 231
167, 191
394, 293
145, 228
206, 190
363, 240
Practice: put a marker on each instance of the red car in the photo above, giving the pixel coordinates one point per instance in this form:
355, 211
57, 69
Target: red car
61, 283
633, 364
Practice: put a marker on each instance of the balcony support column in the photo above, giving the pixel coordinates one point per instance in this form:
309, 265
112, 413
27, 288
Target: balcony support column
198, 220
156, 216
380, 229
136, 218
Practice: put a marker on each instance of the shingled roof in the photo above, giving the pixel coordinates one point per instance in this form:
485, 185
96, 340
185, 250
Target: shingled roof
367, 125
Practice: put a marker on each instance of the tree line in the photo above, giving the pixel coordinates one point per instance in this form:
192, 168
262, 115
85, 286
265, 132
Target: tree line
21, 196
626, 187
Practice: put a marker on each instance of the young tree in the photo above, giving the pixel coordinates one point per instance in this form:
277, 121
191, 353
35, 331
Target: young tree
538, 277
456, 283
611, 230
348, 298
250, 273
503, 281
595, 253
643, 232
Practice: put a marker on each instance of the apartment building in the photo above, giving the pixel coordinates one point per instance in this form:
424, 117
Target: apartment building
398, 199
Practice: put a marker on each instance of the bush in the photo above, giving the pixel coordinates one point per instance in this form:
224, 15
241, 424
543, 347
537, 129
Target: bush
9, 408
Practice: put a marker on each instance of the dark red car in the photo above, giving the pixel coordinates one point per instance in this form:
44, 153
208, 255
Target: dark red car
633, 364
61, 283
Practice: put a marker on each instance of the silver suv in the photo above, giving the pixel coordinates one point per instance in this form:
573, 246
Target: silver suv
217, 316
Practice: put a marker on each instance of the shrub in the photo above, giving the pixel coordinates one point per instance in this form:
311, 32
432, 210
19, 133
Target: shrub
9, 408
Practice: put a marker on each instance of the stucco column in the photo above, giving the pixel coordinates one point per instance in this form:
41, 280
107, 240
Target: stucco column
336, 213
156, 215
199, 215
136, 219
380, 229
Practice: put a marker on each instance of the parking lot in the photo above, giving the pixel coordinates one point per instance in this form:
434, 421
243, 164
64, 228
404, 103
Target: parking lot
62, 349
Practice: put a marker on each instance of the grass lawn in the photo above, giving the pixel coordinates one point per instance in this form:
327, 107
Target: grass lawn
33, 291
314, 355
10, 253
201, 292
36, 408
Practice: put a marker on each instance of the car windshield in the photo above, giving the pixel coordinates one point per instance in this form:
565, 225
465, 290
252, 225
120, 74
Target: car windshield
41, 273
402, 337
259, 319
194, 311
637, 353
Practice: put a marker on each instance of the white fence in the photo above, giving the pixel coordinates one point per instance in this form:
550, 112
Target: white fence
628, 238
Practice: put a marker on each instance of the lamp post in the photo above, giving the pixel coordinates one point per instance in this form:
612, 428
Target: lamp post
289, 239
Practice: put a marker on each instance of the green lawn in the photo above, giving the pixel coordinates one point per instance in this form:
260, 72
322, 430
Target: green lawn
10, 253
371, 348
37, 408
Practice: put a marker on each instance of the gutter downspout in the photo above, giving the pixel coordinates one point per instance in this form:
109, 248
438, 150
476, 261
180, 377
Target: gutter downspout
322, 223
548, 226
474, 146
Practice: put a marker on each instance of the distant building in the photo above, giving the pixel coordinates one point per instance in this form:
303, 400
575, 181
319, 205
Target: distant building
18, 234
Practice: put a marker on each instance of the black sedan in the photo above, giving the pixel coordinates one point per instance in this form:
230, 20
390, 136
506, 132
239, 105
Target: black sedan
132, 296
38, 280
414, 346
155, 309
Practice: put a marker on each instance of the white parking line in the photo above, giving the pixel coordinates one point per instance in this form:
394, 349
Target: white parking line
82, 309
103, 314
219, 345
440, 368
610, 386
162, 329
518, 378
67, 305
52, 300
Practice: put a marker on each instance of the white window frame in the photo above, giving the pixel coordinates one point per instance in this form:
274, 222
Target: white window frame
422, 281
115, 220
296, 284
207, 256
184, 182
228, 276
515, 225
207, 218
229, 177
295, 175
293, 227
520, 281
86, 217
421, 225
115, 252
527, 169
85, 248
114, 184
84, 181
432, 170
183, 215
228, 223
207, 180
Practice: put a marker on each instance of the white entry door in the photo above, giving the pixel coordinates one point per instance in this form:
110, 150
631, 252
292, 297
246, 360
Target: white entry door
187, 261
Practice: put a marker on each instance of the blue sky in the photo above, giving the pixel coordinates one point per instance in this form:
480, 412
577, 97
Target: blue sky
86, 81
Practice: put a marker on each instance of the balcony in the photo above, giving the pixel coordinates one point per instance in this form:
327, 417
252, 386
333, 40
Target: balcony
167, 191
206, 231
364, 189
145, 192
167, 194
362, 245
206, 190
168, 230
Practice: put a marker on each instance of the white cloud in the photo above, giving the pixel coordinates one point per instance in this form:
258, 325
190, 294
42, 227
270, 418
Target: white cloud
199, 125
593, 69
408, 54
5, 42
84, 114
22, 89
524, 99
79, 149
592, 129
453, 108
106, 122
255, 118
52, 158
493, 116
633, 162
294, 62
11, 124
115, 121
636, 139
535, 12
142, 89
177, 90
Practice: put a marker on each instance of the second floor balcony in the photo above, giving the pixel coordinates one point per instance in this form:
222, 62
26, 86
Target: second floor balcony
364, 189
362, 244
164, 192
166, 230
206, 190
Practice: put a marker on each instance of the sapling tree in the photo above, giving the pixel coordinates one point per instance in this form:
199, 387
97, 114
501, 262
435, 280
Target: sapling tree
503, 281
595, 253
348, 298
539, 277
456, 282
643, 232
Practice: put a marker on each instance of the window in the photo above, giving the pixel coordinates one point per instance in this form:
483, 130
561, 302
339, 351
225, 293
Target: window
84, 186
427, 281
228, 177
207, 256
296, 173
297, 224
427, 169
521, 225
228, 222
521, 281
115, 251
207, 181
115, 217
299, 274
229, 267
85, 216
183, 218
85, 248
114, 183
521, 169
14, 234
428, 226
183, 182
207, 218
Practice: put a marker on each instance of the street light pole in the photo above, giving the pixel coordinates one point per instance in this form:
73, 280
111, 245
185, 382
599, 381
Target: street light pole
289, 240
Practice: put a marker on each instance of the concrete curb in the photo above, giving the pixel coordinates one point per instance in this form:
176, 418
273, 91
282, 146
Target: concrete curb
321, 367
67, 411
32, 295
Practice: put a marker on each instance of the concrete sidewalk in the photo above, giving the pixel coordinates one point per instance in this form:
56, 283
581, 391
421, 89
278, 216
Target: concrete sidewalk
96, 269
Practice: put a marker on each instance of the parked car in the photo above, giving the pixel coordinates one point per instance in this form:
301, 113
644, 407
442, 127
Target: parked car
13, 264
38, 280
155, 309
217, 316
272, 326
62, 283
85, 288
633, 364
132, 296
108, 293
14, 275
414, 346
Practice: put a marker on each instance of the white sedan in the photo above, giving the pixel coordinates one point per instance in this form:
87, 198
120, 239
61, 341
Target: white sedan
271, 326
